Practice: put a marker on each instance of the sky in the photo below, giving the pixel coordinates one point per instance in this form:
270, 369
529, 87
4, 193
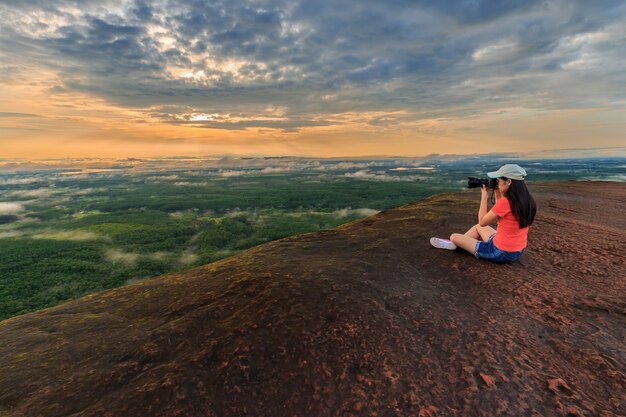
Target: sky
310, 78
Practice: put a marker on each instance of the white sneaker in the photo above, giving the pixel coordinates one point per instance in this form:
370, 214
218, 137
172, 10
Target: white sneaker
442, 243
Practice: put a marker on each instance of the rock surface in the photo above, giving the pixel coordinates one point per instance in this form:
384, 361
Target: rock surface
363, 320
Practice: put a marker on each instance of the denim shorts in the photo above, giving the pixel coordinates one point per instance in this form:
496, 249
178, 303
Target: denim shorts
487, 250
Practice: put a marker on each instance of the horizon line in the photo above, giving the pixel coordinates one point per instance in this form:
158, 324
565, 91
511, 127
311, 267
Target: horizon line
528, 154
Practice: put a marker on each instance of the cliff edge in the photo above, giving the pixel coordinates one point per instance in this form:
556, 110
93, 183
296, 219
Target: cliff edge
366, 319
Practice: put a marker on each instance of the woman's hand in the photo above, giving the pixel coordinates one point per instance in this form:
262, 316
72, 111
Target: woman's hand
498, 194
484, 194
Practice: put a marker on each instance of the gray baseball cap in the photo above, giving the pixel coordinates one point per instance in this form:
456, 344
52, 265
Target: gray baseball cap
512, 171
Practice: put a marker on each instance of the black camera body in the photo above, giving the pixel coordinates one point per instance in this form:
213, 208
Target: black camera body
491, 183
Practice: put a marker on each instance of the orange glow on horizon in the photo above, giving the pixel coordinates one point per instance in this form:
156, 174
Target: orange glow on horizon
41, 124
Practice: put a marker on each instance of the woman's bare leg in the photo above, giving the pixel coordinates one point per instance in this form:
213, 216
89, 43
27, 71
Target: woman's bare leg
480, 232
466, 242
476, 234
485, 232
473, 232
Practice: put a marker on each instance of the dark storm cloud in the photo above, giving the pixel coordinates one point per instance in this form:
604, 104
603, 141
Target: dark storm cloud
324, 57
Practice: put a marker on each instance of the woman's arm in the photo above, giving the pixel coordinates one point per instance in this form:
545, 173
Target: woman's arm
484, 218
484, 195
488, 219
482, 210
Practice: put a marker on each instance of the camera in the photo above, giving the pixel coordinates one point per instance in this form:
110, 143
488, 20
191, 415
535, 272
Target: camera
491, 183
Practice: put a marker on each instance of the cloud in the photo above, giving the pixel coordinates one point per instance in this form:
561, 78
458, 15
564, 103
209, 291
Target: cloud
269, 170
39, 192
188, 258
339, 166
75, 235
16, 181
9, 234
89, 190
163, 177
612, 178
190, 184
364, 212
10, 208
231, 173
158, 256
219, 65
377, 176
7, 114
119, 256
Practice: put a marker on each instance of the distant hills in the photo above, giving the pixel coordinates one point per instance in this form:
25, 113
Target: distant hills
234, 161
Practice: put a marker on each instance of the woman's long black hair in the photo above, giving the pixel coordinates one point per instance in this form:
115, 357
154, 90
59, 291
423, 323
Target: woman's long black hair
522, 203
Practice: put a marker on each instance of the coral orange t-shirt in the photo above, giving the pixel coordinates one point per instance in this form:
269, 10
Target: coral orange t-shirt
509, 237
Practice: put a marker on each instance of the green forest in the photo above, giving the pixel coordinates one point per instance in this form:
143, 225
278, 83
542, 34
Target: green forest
99, 232
65, 236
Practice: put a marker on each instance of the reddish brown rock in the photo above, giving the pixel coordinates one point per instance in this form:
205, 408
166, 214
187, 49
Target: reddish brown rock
363, 320
489, 381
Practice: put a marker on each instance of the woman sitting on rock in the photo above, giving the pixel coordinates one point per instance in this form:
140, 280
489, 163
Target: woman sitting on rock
514, 211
